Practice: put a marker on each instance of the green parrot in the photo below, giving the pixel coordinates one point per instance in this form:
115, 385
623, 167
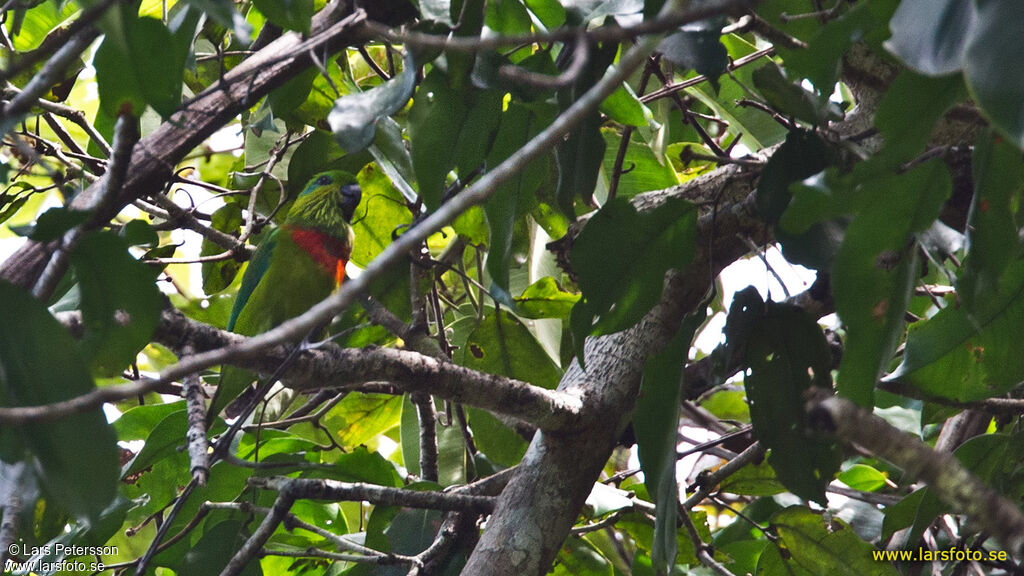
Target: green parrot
299, 264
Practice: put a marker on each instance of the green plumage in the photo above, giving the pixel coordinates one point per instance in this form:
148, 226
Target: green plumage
298, 265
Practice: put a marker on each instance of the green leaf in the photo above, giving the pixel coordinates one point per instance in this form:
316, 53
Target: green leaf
697, 47
753, 480
320, 152
802, 155
549, 12
435, 121
621, 257
478, 132
821, 61
288, 14
215, 548
53, 223
40, 364
991, 76
625, 107
791, 99
913, 103
876, 267
993, 222
507, 17
579, 156
969, 355
519, 124
862, 477
785, 353
354, 116
136, 423
111, 281
646, 171
577, 557
502, 345
359, 418
815, 547
930, 36
381, 213
544, 299
656, 424
218, 275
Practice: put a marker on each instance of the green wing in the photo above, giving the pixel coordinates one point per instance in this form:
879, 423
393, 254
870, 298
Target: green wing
258, 265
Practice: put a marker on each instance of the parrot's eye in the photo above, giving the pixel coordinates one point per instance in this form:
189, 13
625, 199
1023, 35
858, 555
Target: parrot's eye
323, 181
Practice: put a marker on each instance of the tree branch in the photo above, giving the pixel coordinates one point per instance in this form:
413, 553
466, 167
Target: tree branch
950, 481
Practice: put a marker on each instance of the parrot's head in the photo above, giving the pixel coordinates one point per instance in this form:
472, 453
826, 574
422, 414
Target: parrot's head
328, 201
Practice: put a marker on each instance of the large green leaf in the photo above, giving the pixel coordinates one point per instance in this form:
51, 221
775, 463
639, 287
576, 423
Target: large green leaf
501, 344
911, 106
288, 14
930, 36
40, 364
876, 267
435, 120
354, 116
218, 544
111, 282
544, 299
504, 208
970, 355
815, 547
785, 353
656, 424
579, 156
991, 76
381, 213
621, 257
359, 418
148, 69
645, 171
994, 220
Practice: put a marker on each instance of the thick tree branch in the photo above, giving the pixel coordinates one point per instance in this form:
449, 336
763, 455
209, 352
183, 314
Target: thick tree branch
330, 367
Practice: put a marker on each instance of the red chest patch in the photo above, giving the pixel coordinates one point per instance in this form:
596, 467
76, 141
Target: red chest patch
329, 252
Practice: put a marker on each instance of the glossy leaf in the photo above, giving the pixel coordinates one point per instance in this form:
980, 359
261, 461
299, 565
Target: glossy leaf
111, 281
990, 75
40, 364
211, 553
785, 353
930, 36
354, 116
502, 345
646, 171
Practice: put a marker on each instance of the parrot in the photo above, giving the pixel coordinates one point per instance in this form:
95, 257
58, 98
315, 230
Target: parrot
299, 264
